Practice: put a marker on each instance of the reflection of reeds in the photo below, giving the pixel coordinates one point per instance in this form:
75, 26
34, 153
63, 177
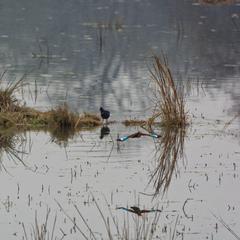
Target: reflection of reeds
140, 228
9, 145
61, 136
41, 231
169, 100
169, 150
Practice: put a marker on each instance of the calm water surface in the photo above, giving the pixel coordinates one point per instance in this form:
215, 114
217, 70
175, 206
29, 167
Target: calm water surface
91, 54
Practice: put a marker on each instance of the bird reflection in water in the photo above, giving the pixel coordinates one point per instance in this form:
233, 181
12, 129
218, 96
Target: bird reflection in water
138, 135
138, 211
105, 130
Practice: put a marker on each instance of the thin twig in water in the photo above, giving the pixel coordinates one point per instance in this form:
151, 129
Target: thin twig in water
85, 222
230, 122
24, 230
225, 225
77, 227
175, 226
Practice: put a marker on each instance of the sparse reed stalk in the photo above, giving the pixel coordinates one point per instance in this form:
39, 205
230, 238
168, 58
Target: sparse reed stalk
139, 228
169, 100
41, 231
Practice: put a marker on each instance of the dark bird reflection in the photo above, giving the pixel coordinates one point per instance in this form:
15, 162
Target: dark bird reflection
138, 211
105, 130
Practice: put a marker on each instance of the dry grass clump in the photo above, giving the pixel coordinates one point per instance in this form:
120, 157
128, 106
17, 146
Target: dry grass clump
216, 1
169, 100
61, 117
24, 117
133, 122
11, 111
8, 101
88, 120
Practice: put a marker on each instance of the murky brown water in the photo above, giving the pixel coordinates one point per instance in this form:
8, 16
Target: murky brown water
70, 55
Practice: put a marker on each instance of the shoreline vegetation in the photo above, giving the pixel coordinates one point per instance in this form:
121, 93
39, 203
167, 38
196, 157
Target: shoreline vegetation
169, 108
216, 2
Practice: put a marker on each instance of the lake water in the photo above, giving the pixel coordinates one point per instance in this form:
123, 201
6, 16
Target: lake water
98, 53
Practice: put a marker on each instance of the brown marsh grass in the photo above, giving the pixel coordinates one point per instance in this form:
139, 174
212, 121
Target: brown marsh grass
169, 104
65, 124
60, 121
88, 120
169, 150
215, 2
8, 102
133, 122
13, 113
61, 117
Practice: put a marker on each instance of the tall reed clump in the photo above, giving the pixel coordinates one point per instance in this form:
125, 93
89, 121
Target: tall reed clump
169, 100
62, 117
8, 102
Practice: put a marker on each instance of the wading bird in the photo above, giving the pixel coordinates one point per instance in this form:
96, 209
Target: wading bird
138, 211
105, 114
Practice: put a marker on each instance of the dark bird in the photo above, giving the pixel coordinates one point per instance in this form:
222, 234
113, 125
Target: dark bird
138, 211
105, 114
105, 130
